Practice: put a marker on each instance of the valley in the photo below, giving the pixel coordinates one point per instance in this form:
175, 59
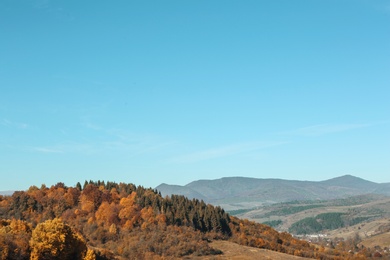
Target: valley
345, 208
354, 210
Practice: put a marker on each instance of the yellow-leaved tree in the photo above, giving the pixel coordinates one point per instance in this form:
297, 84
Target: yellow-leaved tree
14, 237
54, 239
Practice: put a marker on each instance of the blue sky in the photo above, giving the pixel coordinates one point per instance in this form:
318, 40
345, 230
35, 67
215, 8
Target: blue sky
174, 91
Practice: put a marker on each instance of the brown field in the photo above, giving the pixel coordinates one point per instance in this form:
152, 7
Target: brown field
237, 252
382, 240
367, 231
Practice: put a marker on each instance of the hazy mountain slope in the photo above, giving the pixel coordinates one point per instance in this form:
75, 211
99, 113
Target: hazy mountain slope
181, 190
349, 181
6, 192
383, 188
241, 192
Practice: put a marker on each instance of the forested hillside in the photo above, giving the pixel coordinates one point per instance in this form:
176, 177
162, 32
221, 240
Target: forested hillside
106, 220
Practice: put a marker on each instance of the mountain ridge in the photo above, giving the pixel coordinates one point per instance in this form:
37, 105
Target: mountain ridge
236, 192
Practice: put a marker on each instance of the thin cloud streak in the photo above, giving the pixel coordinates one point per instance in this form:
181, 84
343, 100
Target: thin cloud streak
112, 141
222, 151
323, 129
8, 123
46, 150
66, 148
131, 149
134, 148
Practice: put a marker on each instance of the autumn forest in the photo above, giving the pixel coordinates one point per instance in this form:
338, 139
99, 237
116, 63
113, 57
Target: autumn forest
106, 220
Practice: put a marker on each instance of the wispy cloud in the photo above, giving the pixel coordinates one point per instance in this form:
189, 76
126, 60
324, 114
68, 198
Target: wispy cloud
323, 129
92, 126
53, 7
108, 141
135, 148
46, 150
41, 4
222, 151
8, 123
134, 143
66, 148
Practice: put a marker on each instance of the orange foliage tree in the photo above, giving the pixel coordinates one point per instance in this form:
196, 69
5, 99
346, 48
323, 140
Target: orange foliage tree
53, 239
130, 211
14, 237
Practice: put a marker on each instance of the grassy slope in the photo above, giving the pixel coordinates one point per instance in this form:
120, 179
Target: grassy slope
369, 232
382, 240
237, 252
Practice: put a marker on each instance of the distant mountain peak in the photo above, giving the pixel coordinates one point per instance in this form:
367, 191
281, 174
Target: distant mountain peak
349, 180
347, 176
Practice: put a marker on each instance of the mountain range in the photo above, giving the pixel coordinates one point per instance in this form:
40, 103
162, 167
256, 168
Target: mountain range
241, 192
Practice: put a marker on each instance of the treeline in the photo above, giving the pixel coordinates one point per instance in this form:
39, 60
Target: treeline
288, 210
114, 217
324, 221
123, 202
106, 220
273, 223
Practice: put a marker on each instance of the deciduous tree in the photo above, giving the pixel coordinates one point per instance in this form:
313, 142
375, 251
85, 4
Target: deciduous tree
54, 239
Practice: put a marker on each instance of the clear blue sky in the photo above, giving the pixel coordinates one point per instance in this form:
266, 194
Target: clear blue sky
175, 91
